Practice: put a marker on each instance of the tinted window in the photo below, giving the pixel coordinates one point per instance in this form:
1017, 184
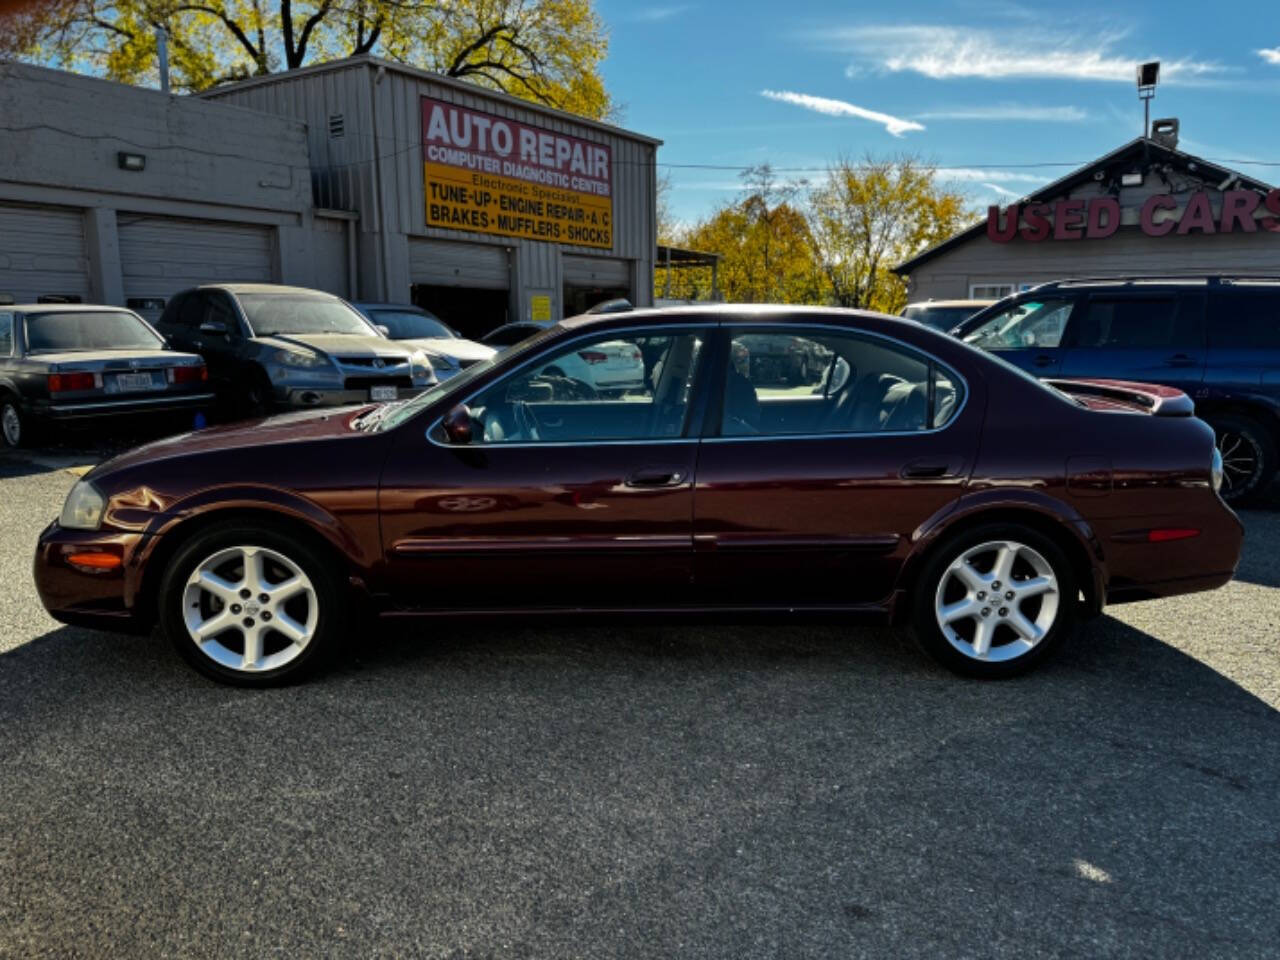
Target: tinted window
1031, 323
271, 313
940, 318
6, 334
1246, 320
629, 386
509, 336
1135, 322
221, 311
781, 383
100, 330
409, 325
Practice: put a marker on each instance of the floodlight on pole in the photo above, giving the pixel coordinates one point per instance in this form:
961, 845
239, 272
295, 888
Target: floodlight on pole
1148, 77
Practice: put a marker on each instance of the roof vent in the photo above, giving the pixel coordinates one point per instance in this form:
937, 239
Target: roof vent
1165, 132
338, 126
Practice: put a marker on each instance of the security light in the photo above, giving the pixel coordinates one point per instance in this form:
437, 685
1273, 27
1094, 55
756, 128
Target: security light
131, 161
1148, 74
1131, 179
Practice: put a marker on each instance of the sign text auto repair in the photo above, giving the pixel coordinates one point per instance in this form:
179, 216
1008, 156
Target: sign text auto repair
1099, 217
487, 174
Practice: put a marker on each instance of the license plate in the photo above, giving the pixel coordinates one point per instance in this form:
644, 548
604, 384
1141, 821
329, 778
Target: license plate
382, 393
134, 381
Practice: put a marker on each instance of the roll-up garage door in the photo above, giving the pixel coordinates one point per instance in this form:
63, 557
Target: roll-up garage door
160, 256
43, 253
443, 263
597, 272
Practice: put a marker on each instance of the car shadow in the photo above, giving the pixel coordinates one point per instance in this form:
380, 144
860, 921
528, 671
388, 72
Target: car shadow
740, 790
1260, 558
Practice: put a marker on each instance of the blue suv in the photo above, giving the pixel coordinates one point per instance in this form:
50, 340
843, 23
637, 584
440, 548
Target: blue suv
1217, 338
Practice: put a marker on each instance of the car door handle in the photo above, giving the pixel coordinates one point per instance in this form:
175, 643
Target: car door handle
931, 469
648, 479
1044, 360
1181, 360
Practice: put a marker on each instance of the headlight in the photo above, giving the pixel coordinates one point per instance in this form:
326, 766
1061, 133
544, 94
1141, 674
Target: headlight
83, 509
299, 358
1216, 470
420, 367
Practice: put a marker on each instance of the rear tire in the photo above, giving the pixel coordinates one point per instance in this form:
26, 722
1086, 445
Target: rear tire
17, 427
994, 601
1249, 457
286, 627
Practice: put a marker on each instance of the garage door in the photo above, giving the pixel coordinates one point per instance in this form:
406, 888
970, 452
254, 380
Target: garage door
160, 256
42, 253
597, 272
447, 264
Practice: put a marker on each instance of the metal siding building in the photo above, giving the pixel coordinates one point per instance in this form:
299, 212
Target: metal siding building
221, 196
972, 264
363, 119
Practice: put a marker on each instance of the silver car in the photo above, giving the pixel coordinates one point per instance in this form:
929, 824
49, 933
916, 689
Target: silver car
271, 346
448, 351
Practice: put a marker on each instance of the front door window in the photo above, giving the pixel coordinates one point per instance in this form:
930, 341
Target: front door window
1038, 323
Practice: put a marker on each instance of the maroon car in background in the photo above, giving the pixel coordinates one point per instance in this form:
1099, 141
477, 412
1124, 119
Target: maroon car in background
918, 479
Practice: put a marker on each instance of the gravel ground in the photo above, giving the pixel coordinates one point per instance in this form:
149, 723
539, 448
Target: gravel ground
647, 790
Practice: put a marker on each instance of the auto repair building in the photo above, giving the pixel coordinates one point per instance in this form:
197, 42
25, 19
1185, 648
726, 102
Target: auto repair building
369, 179
1146, 209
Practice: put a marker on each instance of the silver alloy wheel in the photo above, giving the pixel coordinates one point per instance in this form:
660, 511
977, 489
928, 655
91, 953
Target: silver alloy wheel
253, 599
12, 424
1240, 458
997, 601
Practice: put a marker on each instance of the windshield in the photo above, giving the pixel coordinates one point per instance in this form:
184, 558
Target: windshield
940, 318
271, 313
82, 330
392, 415
410, 325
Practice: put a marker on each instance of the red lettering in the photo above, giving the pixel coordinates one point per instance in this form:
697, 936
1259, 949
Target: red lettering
1197, 216
1161, 201
1095, 229
1062, 230
1038, 226
1273, 204
1238, 207
997, 234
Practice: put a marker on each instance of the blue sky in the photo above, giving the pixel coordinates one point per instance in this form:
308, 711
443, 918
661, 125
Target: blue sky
966, 84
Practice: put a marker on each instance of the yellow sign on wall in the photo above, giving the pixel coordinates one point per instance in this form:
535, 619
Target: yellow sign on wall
462, 200
540, 308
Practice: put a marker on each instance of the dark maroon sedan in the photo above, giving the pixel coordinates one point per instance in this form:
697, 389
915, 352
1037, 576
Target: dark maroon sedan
912, 477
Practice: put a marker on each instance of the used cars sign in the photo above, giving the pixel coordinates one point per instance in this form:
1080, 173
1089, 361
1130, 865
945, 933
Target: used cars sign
1162, 214
488, 174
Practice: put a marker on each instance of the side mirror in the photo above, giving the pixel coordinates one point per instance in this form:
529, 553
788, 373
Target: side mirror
383, 329
459, 426
215, 327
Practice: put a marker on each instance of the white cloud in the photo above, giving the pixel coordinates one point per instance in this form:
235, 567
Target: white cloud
656, 14
973, 175
839, 108
1002, 191
949, 52
1271, 55
1009, 111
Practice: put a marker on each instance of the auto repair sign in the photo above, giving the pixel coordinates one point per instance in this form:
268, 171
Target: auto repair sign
487, 174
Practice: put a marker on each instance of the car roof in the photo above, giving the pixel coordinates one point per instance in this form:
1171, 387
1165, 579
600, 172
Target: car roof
265, 288
951, 303
65, 308
366, 305
725, 312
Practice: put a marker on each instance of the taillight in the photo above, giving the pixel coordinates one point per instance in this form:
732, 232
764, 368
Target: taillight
188, 374
593, 356
62, 382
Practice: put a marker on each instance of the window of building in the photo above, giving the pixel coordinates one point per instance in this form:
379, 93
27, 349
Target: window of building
990, 291
781, 383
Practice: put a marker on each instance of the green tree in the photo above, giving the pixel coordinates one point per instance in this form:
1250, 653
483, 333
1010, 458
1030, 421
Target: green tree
547, 51
767, 248
867, 217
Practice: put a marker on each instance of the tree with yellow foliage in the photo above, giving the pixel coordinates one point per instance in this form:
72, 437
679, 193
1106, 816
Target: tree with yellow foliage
546, 51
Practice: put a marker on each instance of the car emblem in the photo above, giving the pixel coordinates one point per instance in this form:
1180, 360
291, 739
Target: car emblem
379, 362
135, 364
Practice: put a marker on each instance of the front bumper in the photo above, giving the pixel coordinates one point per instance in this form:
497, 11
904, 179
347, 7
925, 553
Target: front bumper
102, 599
305, 398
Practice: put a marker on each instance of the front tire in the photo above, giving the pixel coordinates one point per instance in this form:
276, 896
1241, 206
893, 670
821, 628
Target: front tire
994, 601
16, 426
1248, 457
251, 605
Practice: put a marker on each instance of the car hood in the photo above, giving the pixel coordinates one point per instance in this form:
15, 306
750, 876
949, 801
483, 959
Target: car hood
338, 344
302, 426
450, 347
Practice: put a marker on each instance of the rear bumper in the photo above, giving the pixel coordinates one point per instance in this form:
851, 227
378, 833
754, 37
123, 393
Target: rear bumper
101, 599
131, 406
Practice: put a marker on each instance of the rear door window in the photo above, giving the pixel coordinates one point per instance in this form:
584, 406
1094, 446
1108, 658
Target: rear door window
1135, 322
1246, 320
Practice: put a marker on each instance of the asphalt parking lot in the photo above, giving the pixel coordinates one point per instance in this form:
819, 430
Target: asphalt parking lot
644, 790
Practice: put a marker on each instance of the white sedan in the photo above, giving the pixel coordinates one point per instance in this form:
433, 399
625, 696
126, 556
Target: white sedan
611, 368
